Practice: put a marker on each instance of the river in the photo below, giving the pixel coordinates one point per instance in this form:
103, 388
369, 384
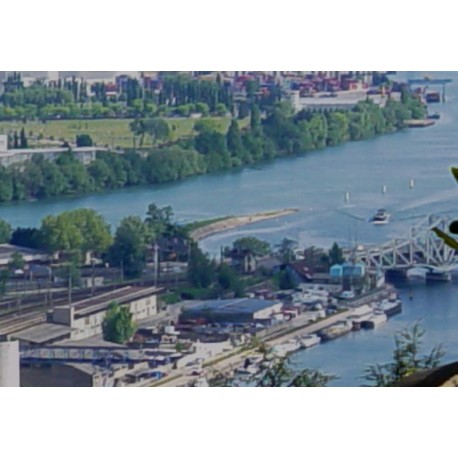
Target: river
315, 183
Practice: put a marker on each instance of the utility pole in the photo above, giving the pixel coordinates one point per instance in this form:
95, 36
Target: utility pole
156, 262
69, 286
93, 277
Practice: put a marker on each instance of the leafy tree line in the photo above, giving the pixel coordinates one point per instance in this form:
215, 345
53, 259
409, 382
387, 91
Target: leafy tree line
73, 99
280, 134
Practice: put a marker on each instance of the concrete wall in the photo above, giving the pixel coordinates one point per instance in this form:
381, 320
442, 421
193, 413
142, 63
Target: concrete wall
91, 325
9, 364
54, 375
63, 315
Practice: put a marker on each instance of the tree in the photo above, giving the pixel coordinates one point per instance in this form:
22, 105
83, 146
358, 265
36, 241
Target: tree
117, 325
27, 237
228, 280
286, 249
23, 139
158, 219
158, 129
5, 231
235, 144
253, 245
84, 140
336, 254
83, 229
129, 247
407, 359
278, 373
4, 275
16, 262
286, 280
201, 271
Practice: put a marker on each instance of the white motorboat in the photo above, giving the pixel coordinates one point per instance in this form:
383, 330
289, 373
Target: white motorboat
309, 340
381, 217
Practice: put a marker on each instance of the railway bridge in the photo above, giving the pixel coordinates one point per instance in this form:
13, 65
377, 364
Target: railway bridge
422, 248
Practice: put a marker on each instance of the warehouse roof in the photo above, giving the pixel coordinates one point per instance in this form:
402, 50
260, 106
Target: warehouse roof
230, 306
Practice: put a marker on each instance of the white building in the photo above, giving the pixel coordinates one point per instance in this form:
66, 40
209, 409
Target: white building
85, 155
84, 319
9, 364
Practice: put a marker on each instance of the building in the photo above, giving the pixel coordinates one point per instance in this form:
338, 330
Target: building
67, 375
28, 254
85, 155
242, 310
83, 319
9, 364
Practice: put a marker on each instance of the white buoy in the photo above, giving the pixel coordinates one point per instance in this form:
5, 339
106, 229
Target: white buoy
411, 183
347, 197
383, 189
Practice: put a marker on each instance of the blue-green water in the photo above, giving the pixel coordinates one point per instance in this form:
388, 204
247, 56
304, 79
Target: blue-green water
315, 183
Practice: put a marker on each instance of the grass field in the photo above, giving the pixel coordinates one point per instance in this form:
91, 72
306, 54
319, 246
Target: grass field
111, 132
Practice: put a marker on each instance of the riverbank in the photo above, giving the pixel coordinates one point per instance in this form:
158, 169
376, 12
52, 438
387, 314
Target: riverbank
233, 222
227, 363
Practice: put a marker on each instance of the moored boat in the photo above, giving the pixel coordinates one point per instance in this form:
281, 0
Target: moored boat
390, 307
286, 348
309, 340
375, 320
336, 330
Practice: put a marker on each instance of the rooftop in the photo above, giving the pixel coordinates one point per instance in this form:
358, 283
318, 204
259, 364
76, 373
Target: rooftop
43, 333
231, 306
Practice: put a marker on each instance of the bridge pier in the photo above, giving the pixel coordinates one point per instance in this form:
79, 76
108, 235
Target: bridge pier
396, 274
432, 276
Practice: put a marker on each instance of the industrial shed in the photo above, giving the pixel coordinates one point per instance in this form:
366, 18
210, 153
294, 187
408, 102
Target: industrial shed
242, 310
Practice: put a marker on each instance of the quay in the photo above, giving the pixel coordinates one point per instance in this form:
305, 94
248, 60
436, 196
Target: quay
228, 362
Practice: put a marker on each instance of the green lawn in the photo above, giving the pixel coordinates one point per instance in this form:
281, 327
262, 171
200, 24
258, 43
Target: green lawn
111, 132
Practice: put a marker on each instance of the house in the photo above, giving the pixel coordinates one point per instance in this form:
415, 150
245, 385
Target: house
245, 261
28, 254
299, 271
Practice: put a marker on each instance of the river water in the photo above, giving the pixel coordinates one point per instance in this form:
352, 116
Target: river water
315, 183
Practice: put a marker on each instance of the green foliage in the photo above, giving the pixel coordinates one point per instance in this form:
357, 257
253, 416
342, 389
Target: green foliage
285, 249
407, 359
83, 230
253, 245
336, 254
278, 373
16, 262
129, 247
5, 231
84, 140
118, 326
4, 275
27, 237
158, 220
209, 149
229, 280
23, 139
286, 280
201, 271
